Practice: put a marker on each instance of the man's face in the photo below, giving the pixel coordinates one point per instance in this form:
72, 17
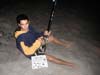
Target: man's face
24, 24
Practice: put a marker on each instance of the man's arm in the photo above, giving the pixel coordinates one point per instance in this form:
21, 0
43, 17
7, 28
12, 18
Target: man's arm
32, 49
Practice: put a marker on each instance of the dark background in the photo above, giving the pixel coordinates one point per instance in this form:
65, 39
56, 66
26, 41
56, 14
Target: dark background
86, 10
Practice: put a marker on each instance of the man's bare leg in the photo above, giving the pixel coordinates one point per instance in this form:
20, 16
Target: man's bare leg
59, 61
55, 59
59, 42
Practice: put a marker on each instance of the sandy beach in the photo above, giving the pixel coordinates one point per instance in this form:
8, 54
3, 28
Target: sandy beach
68, 25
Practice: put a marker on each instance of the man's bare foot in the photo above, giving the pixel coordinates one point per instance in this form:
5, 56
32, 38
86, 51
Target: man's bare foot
72, 65
1, 33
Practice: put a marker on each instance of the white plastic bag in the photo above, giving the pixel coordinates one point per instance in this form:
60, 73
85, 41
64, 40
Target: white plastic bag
39, 61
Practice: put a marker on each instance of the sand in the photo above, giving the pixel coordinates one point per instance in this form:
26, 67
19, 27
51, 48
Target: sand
67, 26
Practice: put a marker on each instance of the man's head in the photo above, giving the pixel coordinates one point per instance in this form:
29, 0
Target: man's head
22, 21
21, 17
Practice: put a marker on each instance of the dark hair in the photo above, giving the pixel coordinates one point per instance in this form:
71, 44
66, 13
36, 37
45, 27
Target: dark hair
21, 17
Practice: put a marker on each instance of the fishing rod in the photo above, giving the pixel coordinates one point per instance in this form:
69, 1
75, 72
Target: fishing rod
51, 15
43, 48
50, 22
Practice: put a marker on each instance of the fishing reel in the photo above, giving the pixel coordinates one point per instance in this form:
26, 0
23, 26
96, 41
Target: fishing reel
42, 49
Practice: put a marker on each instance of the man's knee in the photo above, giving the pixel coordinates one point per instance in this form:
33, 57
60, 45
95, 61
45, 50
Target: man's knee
49, 58
51, 38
